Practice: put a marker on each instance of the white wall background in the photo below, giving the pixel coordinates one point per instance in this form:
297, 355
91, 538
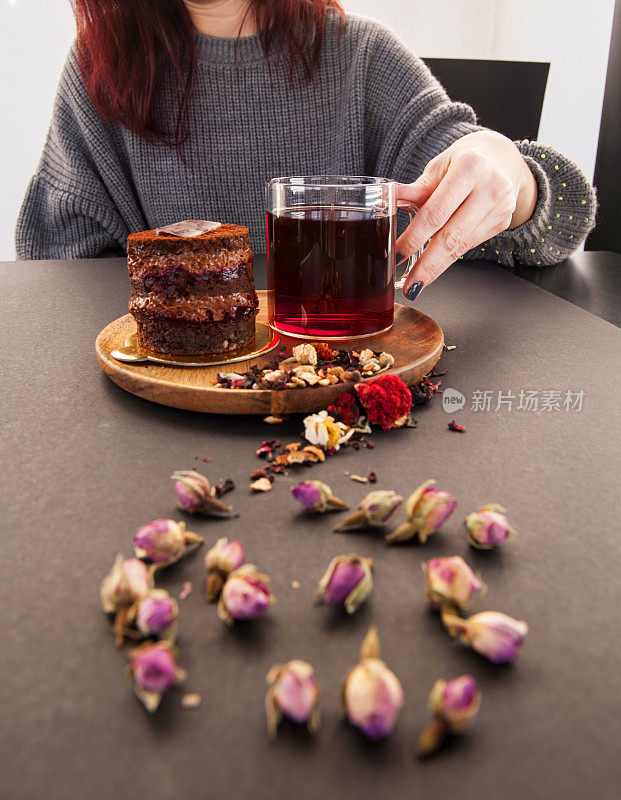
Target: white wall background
573, 35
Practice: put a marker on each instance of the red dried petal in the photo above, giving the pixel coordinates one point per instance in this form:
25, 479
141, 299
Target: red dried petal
385, 399
453, 426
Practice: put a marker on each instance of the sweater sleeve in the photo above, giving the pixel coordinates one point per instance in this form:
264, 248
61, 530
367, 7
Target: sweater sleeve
79, 203
409, 119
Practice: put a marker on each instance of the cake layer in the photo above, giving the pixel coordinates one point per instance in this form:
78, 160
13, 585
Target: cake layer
181, 337
204, 309
174, 276
192, 295
227, 246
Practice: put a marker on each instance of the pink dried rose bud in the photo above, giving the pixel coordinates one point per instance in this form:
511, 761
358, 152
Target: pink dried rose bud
450, 581
455, 705
294, 694
375, 510
154, 671
156, 615
488, 526
163, 541
371, 695
127, 582
223, 558
316, 496
491, 633
196, 495
347, 581
245, 595
427, 510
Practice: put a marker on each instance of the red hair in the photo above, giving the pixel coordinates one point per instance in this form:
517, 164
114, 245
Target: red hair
124, 46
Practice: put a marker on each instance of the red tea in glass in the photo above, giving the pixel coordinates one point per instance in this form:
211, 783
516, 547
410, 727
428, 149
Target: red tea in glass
331, 256
332, 271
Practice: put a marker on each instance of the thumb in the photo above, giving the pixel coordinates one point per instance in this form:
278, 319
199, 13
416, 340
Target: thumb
420, 191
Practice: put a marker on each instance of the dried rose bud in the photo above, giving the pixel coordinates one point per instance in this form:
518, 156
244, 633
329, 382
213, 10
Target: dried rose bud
451, 581
387, 401
245, 595
347, 581
371, 696
156, 615
488, 526
293, 693
163, 541
153, 668
491, 633
374, 510
455, 705
223, 558
316, 496
196, 495
321, 429
427, 510
127, 582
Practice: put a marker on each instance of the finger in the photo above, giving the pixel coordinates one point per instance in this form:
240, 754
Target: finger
465, 230
417, 193
451, 192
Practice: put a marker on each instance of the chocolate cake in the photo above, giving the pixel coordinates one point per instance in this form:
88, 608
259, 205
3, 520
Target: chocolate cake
192, 288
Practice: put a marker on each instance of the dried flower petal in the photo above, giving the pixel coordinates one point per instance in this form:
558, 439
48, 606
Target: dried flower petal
488, 526
155, 615
127, 582
374, 510
224, 486
293, 693
348, 581
245, 595
164, 541
223, 558
321, 429
191, 700
316, 496
305, 354
451, 581
387, 401
453, 426
261, 485
427, 509
455, 705
371, 695
491, 633
153, 668
186, 590
195, 495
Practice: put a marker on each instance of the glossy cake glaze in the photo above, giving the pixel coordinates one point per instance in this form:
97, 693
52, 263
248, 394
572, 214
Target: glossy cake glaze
192, 296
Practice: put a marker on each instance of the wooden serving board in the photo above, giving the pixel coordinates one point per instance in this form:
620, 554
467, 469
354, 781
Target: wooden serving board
415, 341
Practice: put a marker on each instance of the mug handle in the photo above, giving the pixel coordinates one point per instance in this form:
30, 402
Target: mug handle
411, 260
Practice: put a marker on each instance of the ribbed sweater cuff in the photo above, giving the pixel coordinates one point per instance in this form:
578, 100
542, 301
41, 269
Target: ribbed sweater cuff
563, 216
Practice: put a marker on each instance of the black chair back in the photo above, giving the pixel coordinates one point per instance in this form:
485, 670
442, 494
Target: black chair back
506, 95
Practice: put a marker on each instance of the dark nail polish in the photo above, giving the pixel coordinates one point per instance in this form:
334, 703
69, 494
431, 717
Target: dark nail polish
414, 290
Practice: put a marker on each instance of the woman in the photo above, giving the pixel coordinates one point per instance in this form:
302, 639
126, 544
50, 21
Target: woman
176, 109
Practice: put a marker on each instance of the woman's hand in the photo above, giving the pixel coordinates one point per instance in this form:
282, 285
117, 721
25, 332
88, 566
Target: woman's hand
472, 191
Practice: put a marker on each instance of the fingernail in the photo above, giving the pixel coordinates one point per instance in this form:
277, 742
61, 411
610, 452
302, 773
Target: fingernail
414, 290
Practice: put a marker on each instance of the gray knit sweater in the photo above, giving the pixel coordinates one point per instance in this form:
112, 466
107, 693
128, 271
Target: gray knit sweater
373, 108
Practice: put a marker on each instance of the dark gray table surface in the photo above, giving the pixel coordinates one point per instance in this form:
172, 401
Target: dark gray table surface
84, 464
591, 280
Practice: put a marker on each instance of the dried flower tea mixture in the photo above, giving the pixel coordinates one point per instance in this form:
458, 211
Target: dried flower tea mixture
371, 694
309, 365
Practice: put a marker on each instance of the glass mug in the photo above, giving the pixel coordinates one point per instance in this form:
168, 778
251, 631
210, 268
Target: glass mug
331, 256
